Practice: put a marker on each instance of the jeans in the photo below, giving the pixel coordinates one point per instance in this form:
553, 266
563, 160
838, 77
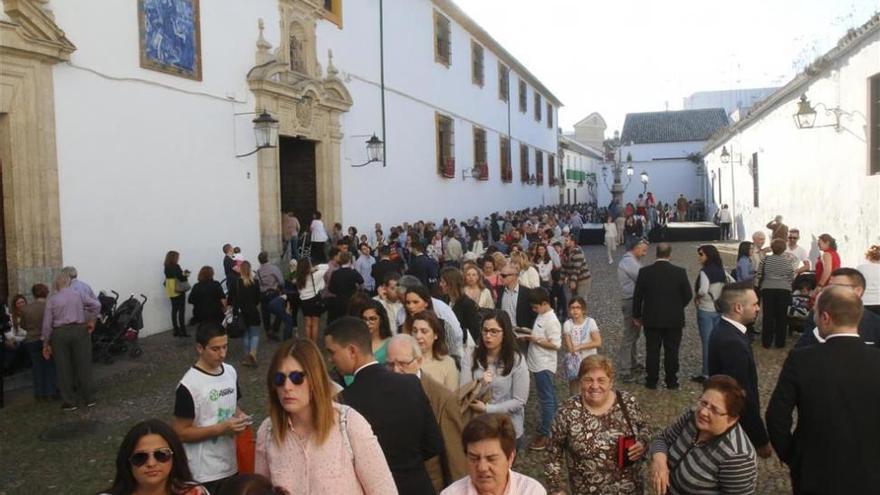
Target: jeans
670, 340
774, 305
178, 312
706, 321
72, 349
725, 231
627, 355
294, 247
43, 371
265, 311
251, 339
277, 308
546, 400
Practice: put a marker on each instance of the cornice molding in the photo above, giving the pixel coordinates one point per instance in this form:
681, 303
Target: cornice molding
31, 31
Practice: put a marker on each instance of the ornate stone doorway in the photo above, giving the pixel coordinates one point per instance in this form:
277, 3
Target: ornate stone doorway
290, 83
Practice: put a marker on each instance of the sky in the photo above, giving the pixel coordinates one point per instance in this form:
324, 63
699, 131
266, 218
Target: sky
616, 57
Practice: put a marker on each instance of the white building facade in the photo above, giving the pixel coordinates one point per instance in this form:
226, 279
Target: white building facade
116, 163
821, 179
581, 166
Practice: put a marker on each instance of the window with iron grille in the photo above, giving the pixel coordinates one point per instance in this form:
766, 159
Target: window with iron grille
445, 146
537, 106
523, 163
477, 72
442, 39
523, 96
874, 124
503, 82
480, 153
551, 169
539, 167
506, 169
549, 116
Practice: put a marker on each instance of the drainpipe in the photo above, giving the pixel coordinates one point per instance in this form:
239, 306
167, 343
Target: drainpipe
382, 80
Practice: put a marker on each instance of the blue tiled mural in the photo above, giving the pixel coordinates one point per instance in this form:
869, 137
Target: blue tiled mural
170, 37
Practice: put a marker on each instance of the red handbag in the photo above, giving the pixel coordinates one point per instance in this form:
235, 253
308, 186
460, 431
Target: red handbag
245, 450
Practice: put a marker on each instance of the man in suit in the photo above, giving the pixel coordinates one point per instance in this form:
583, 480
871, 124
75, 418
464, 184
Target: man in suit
514, 299
836, 390
661, 294
730, 353
869, 325
394, 405
404, 356
422, 266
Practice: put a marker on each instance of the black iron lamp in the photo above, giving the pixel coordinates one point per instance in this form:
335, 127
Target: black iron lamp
374, 151
265, 132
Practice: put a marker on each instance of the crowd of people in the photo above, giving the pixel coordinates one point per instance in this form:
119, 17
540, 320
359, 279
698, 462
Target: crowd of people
434, 336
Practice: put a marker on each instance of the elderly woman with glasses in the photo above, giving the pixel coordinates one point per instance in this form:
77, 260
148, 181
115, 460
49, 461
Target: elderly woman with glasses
602, 432
309, 444
151, 459
706, 450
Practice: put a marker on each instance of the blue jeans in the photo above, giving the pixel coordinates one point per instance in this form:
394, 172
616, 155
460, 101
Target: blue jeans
706, 321
43, 371
277, 308
294, 247
252, 339
546, 399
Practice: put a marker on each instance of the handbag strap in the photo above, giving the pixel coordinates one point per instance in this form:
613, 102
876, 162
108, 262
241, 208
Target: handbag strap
625, 412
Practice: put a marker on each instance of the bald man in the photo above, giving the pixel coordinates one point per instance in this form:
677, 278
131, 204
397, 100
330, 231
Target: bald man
835, 388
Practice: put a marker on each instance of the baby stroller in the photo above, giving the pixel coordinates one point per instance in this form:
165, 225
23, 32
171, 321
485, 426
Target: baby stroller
801, 305
116, 331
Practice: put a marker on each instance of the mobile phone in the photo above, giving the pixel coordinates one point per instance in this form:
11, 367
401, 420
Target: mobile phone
249, 419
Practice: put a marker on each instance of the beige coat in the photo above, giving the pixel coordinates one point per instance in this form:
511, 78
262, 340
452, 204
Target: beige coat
451, 465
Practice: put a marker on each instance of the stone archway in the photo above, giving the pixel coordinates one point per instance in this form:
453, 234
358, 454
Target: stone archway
290, 84
30, 44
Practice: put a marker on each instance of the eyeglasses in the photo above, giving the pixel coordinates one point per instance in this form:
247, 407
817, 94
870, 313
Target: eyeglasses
507, 274
703, 404
393, 364
296, 378
162, 456
493, 332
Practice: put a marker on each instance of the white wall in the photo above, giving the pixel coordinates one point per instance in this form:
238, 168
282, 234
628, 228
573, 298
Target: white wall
660, 151
145, 167
416, 88
816, 178
667, 179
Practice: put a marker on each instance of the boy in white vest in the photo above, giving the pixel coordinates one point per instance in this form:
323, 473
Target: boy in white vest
206, 412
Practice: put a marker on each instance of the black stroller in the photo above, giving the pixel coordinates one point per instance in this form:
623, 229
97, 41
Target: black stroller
116, 331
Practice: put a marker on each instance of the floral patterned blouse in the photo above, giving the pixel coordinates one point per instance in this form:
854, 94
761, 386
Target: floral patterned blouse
590, 443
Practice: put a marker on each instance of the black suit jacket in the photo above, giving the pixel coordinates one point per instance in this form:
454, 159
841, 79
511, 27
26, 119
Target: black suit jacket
731, 354
869, 330
836, 390
662, 293
402, 419
525, 317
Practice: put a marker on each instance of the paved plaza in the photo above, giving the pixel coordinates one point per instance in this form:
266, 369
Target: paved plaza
45, 450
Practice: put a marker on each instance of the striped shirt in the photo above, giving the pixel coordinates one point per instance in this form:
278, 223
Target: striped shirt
775, 272
575, 267
725, 464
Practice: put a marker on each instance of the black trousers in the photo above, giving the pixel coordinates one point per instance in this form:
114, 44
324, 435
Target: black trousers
178, 312
725, 231
670, 340
774, 305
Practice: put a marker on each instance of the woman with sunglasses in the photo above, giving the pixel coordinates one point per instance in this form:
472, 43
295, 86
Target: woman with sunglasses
151, 460
706, 450
499, 366
309, 444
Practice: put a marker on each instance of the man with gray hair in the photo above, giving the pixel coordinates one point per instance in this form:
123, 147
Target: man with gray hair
66, 335
627, 274
83, 289
404, 356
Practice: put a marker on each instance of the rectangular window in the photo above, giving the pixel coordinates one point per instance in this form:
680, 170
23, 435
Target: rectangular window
477, 64
333, 12
506, 169
755, 194
503, 82
445, 146
442, 39
551, 169
874, 124
537, 106
523, 163
549, 116
480, 153
539, 167
523, 96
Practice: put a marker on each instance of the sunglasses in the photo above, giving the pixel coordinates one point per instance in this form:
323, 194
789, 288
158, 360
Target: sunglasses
138, 459
295, 377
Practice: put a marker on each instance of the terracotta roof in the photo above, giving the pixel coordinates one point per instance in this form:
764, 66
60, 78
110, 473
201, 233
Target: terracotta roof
673, 127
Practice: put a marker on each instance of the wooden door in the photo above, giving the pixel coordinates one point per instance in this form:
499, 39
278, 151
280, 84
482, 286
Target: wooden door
298, 177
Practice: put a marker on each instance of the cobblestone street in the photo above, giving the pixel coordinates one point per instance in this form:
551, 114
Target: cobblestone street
45, 450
